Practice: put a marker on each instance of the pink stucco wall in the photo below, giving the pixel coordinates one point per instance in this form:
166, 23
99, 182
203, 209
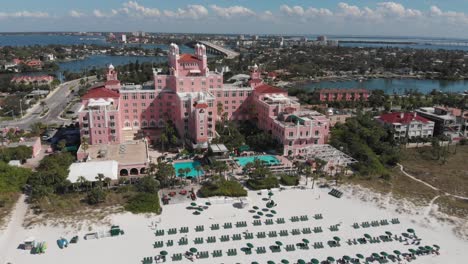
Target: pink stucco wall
190, 96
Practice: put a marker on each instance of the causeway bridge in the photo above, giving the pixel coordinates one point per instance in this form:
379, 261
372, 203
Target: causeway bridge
216, 49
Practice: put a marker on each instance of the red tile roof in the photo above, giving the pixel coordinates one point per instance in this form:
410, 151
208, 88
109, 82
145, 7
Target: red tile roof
265, 89
343, 90
188, 58
406, 119
100, 92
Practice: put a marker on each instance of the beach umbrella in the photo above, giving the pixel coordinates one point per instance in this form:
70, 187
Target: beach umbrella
360, 256
301, 261
375, 255
405, 234
331, 259
383, 253
255, 262
163, 253
367, 236
273, 211
412, 251
259, 213
255, 207
207, 203
279, 243
410, 230
305, 241
193, 204
270, 193
337, 239
249, 245
315, 261
388, 233
436, 246
397, 252
284, 261
347, 258
193, 250
271, 262
428, 248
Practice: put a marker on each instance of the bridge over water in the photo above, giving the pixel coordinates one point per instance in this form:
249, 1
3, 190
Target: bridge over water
216, 49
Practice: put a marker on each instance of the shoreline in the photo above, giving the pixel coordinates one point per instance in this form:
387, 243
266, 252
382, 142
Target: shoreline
357, 204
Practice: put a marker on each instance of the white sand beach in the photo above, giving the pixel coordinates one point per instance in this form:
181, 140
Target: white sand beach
137, 242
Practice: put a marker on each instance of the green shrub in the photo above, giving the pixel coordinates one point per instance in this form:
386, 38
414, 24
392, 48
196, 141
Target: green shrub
96, 195
289, 180
144, 203
266, 183
223, 188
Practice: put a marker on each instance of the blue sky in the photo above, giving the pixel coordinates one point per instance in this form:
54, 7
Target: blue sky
442, 18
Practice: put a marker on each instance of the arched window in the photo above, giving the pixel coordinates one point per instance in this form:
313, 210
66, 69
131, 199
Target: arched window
152, 123
136, 124
123, 172
134, 171
127, 124
143, 171
144, 123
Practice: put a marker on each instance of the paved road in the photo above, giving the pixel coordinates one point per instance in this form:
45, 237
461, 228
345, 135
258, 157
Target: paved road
56, 102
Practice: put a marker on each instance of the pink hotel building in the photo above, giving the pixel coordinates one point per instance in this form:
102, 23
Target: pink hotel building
190, 96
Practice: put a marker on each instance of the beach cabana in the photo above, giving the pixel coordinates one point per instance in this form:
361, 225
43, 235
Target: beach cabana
29, 243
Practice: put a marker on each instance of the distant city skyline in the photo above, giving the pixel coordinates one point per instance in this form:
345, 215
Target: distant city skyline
431, 18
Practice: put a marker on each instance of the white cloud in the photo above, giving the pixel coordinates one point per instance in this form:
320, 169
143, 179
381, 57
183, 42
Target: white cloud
192, 12
140, 10
393, 9
76, 14
232, 11
24, 14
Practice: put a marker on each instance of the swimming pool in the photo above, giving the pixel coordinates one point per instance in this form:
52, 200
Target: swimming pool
187, 165
268, 159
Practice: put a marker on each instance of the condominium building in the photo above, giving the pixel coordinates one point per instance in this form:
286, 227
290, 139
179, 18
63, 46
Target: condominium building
407, 125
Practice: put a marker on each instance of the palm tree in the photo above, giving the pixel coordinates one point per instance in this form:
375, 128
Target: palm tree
308, 173
100, 177
198, 168
107, 181
82, 180
181, 172
84, 143
163, 140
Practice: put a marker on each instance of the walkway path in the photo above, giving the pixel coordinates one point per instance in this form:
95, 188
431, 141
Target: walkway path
15, 223
429, 185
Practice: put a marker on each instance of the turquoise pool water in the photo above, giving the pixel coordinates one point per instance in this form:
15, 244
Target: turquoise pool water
268, 159
190, 165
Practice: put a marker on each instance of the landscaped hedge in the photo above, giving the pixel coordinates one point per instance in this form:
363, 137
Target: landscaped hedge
266, 183
289, 180
223, 188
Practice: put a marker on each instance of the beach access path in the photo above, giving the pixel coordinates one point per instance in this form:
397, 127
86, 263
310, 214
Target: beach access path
429, 185
15, 223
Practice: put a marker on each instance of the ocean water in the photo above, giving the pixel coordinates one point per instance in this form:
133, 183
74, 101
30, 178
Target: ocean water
393, 86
